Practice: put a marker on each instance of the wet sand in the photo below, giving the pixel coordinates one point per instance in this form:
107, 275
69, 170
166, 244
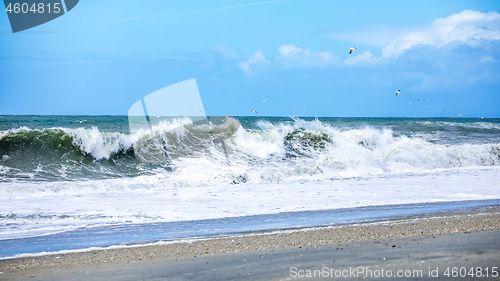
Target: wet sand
422, 245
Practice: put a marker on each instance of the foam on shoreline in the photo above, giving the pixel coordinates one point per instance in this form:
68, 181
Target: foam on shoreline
481, 219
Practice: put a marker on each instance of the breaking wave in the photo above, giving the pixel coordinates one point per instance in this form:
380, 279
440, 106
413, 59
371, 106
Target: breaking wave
269, 152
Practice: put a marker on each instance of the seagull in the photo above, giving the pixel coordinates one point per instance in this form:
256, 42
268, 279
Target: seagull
398, 92
264, 100
196, 109
351, 49
254, 111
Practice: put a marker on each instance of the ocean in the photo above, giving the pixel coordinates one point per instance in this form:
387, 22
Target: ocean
65, 178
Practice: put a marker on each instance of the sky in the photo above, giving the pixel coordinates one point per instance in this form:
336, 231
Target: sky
103, 56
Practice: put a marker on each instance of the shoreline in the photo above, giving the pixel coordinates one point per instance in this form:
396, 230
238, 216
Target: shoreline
480, 220
120, 235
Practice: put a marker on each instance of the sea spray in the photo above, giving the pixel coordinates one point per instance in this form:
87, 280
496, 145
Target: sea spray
265, 152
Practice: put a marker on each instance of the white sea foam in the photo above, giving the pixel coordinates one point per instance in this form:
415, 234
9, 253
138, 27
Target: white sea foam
281, 167
101, 145
150, 199
468, 125
303, 150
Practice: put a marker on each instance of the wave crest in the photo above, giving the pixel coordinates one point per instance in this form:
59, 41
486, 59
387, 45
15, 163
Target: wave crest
293, 151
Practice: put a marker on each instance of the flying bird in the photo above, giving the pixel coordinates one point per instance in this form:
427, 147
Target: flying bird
196, 109
398, 92
264, 100
352, 49
254, 112
421, 100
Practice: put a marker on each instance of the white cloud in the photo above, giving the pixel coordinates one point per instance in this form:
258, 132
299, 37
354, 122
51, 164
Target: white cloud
256, 62
291, 56
467, 26
363, 58
376, 35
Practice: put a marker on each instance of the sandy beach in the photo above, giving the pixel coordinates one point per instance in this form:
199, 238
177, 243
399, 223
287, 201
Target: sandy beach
421, 245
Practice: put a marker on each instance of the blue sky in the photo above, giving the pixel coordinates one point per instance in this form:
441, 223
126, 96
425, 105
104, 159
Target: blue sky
103, 56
